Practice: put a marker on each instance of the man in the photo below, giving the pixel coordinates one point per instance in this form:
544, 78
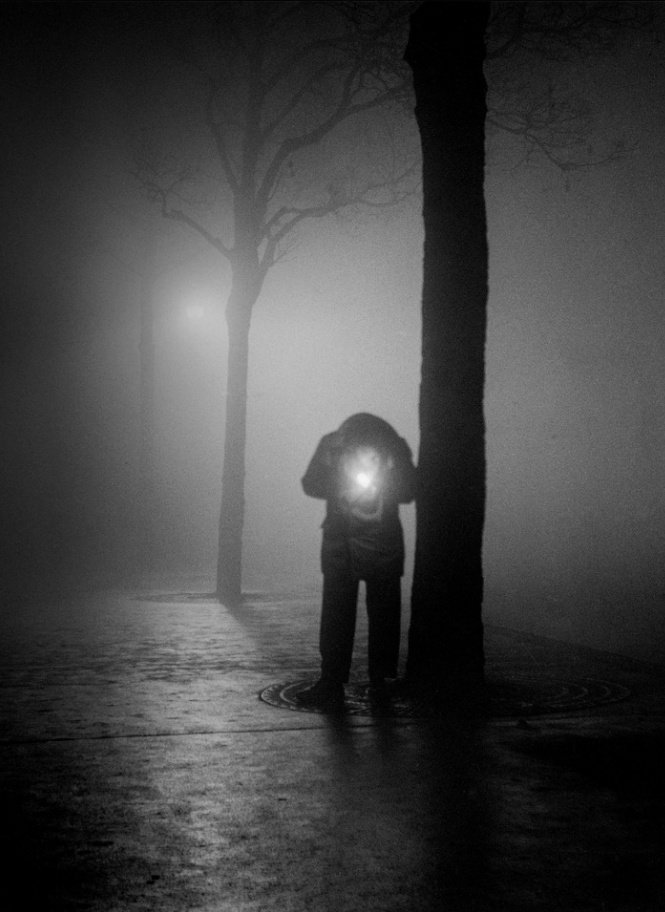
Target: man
364, 471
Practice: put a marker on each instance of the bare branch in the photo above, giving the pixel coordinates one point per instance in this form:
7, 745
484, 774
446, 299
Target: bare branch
294, 216
555, 125
159, 189
287, 218
512, 41
344, 110
298, 58
216, 128
560, 30
177, 215
306, 87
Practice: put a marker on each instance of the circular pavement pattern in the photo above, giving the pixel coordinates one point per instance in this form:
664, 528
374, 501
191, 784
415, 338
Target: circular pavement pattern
508, 694
514, 695
177, 598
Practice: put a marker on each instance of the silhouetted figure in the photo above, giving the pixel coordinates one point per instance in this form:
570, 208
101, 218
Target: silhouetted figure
364, 471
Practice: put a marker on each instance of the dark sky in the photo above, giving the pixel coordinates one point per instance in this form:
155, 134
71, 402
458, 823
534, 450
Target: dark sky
575, 388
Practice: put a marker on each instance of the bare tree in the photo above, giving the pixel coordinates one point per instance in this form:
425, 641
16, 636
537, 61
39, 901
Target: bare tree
446, 51
449, 48
276, 82
279, 80
528, 45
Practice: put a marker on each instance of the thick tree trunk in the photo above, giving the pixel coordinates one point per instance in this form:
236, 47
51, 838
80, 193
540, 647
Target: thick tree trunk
446, 52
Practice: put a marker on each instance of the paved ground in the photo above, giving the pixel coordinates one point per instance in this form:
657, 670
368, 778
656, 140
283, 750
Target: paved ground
139, 770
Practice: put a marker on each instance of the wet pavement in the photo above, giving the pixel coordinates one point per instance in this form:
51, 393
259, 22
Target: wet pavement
141, 769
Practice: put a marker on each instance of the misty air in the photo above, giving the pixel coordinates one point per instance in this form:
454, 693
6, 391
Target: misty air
333, 455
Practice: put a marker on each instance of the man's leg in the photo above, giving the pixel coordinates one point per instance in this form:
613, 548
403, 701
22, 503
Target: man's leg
384, 605
338, 625
336, 634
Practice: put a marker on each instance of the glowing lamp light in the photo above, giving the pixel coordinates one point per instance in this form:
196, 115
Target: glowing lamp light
195, 312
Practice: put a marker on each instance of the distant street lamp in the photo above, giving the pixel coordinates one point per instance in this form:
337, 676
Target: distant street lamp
194, 312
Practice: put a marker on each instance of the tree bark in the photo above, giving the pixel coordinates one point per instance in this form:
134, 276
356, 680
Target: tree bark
446, 51
244, 293
145, 501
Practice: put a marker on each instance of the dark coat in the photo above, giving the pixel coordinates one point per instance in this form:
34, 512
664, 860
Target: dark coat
363, 471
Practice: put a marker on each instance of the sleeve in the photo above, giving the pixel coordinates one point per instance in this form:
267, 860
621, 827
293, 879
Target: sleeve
319, 479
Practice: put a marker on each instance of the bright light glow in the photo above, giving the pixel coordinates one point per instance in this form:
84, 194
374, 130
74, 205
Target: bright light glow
362, 469
364, 479
195, 312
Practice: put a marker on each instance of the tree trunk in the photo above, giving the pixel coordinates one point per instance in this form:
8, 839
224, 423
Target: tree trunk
446, 52
145, 501
232, 512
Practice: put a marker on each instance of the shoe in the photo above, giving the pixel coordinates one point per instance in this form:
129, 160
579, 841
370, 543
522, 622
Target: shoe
323, 694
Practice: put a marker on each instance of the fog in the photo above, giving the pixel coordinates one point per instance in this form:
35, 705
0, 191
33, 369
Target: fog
575, 382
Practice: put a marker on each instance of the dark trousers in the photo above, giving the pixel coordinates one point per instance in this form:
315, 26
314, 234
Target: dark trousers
338, 625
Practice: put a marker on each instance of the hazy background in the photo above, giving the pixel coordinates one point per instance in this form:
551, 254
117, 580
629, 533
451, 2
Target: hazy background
575, 388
